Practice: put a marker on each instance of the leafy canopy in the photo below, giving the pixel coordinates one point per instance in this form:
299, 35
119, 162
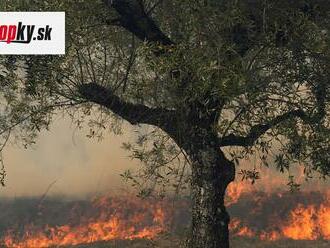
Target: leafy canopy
257, 70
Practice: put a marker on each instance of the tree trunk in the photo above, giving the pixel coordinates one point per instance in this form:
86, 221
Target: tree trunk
211, 174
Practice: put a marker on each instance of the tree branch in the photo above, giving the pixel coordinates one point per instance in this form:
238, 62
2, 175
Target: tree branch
258, 130
134, 18
320, 93
133, 113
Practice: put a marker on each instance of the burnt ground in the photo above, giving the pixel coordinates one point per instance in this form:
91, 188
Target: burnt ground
235, 243
58, 211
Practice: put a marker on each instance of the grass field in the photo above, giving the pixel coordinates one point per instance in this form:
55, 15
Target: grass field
15, 214
235, 243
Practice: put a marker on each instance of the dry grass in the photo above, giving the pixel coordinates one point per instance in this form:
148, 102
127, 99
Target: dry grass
254, 243
236, 243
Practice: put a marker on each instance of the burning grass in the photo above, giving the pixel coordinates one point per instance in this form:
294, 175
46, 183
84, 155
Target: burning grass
259, 219
101, 219
277, 215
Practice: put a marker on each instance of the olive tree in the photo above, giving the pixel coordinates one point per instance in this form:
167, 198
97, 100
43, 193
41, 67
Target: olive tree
221, 79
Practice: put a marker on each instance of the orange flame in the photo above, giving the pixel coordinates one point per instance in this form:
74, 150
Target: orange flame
235, 190
304, 223
238, 230
131, 218
102, 228
308, 223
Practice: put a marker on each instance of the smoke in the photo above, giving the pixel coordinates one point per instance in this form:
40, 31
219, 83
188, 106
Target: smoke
79, 165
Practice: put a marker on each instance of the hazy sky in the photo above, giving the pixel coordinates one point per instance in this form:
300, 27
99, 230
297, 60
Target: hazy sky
80, 165
83, 166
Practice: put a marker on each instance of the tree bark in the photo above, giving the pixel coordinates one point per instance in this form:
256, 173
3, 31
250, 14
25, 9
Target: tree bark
211, 174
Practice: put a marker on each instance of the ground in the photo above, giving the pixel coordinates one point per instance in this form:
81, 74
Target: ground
236, 243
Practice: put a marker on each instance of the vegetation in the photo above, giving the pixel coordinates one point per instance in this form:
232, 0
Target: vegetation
218, 81
236, 243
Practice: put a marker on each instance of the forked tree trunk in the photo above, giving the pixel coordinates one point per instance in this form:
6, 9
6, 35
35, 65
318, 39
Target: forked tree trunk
211, 174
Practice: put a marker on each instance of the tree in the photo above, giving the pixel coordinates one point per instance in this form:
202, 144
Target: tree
222, 79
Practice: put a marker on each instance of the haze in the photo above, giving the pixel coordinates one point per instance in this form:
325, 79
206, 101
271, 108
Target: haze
79, 165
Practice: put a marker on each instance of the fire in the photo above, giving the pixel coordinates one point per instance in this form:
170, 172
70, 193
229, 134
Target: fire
303, 222
147, 222
238, 230
271, 236
268, 184
308, 223
266, 210
268, 213
324, 221
235, 190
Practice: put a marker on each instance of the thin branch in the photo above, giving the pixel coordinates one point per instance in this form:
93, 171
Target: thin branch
33, 113
42, 198
258, 130
131, 61
152, 8
2, 169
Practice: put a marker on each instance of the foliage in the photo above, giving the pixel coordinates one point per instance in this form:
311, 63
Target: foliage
164, 165
252, 63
